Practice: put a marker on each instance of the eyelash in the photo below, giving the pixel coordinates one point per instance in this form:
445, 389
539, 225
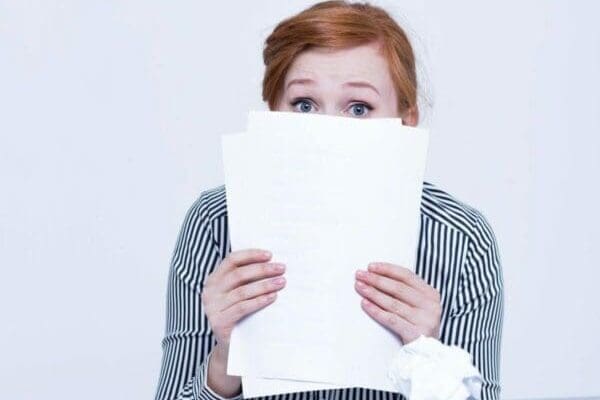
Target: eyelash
297, 100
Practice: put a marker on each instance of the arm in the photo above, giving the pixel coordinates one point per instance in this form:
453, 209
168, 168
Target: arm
188, 343
475, 323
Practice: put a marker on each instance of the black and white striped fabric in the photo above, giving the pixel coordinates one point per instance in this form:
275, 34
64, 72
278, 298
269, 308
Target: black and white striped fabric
457, 254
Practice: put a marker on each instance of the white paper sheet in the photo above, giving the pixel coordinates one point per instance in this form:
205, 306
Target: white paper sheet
289, 122
310, 197
258, 387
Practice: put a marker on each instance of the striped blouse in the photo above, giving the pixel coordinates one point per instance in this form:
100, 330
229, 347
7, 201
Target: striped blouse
457, 254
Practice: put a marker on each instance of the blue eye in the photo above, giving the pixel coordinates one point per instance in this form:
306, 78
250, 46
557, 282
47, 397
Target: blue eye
305, 105
361, 109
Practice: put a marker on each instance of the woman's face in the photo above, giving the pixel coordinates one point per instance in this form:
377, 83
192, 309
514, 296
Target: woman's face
352, 82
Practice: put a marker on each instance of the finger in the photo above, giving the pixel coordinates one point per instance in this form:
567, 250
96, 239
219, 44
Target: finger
395, 288
249, 273
243, 308
393, 321
387, 302
242, 257
404, 274
252, 290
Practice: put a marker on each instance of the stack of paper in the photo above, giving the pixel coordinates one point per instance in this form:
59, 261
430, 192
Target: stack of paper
326, 195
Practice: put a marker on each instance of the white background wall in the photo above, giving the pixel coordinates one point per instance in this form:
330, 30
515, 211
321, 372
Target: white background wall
110, 117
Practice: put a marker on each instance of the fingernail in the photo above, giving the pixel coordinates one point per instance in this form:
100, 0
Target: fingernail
360, 273
279, 267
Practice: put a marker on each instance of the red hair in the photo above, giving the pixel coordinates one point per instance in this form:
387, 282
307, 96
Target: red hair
339, 24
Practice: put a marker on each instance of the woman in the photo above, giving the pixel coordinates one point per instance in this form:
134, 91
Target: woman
352, 60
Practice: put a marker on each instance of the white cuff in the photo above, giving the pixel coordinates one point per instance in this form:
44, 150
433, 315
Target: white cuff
428, 369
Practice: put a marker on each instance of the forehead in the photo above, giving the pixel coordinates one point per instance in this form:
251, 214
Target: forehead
360, 62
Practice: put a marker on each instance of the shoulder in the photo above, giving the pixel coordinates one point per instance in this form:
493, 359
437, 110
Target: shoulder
209, 205
200, 218
446, 209
213, 202
197, 237
482, 262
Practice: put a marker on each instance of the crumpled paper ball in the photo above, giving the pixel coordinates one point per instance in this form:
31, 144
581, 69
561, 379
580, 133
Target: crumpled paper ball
427, 369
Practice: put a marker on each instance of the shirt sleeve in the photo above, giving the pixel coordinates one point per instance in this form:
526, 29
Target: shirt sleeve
188, 339
475, 323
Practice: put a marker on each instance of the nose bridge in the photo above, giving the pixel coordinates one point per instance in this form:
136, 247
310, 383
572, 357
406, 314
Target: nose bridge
330, 105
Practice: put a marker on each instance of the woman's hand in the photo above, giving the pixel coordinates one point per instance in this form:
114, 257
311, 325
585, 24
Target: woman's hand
237, 287
400, 300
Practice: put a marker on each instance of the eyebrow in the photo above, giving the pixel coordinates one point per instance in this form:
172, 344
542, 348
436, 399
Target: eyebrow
351, 84
362, 84
299, 81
